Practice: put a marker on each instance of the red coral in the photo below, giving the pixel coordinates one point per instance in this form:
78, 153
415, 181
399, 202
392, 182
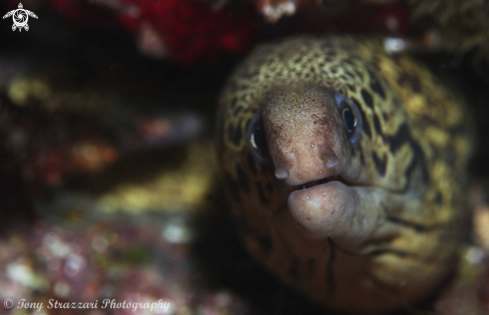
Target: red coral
187, 30
72, 9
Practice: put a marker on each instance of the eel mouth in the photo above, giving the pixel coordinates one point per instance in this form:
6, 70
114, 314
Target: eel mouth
315, 183
320, 191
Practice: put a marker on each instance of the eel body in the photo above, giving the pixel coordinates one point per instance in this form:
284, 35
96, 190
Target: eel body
345, 169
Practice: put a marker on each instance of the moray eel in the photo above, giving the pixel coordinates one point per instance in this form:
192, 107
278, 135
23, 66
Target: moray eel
345, 169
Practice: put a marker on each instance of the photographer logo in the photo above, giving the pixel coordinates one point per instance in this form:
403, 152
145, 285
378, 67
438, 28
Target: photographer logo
20, 18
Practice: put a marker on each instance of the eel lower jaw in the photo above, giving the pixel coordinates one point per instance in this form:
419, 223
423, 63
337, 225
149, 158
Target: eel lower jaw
348, 215
321, 206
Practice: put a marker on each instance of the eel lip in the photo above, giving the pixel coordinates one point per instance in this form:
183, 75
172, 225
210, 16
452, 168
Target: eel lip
316, 183
316, 190
320, 208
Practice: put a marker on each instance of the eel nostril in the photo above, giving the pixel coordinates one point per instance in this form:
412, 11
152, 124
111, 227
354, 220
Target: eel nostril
330, 159
281, 174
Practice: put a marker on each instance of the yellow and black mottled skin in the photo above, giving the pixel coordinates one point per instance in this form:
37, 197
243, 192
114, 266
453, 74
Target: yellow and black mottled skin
379, 227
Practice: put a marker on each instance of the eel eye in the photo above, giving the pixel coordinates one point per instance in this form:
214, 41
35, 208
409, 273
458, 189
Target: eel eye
349, 119
352, 119
255, 136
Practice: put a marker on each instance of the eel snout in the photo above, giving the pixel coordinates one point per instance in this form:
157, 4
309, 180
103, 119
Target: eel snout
305, 133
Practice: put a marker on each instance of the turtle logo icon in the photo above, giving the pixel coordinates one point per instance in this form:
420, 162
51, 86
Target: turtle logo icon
20, 18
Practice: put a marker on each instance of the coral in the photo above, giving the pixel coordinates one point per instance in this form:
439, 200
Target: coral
107, 264
444, 12
184, 187
190, 31
275, 9
186, 30
464, 21
53, 125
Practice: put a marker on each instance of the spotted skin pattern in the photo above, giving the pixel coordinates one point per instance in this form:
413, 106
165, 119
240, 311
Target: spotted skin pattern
408, 169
